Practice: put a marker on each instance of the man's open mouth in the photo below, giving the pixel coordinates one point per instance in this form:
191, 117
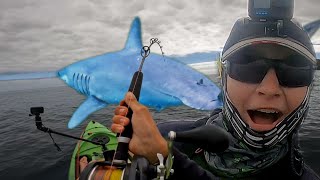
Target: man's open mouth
264, 116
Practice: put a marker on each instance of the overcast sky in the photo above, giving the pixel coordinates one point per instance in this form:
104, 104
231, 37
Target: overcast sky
38, 35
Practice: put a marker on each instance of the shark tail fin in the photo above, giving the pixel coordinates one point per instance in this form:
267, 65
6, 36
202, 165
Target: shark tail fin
134, 37
312, 27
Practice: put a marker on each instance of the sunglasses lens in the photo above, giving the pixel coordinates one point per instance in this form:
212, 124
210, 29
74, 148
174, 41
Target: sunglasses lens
289, 74
252, 72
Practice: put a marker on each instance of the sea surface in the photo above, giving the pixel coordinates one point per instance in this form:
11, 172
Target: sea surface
27, 153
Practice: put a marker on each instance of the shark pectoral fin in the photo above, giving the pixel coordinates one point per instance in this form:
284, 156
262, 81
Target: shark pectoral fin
90, 105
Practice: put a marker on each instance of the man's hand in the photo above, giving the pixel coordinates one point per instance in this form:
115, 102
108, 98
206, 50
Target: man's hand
146, 138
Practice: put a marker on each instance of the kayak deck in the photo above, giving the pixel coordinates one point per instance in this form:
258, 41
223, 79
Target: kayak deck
94, 132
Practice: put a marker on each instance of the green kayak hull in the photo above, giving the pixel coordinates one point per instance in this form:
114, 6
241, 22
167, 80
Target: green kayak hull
95, 132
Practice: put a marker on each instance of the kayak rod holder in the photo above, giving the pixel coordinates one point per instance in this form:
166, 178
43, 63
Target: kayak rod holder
36, 111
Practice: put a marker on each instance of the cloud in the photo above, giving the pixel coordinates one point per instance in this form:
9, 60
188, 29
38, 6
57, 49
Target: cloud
48, 35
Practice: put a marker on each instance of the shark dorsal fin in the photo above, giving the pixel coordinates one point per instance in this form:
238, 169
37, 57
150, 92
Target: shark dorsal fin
134, 37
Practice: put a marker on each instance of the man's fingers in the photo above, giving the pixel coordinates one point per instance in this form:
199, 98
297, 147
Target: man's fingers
121, 110
120, 120
132, 102
117, 128
122, 103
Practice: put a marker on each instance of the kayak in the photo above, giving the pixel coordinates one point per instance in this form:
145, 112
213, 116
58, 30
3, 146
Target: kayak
94, 132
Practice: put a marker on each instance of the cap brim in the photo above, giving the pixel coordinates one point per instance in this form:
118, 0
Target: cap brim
276, 47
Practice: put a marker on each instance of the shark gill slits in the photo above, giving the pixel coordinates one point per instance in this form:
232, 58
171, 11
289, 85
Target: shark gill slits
85, 84
82, 84
73, 76
75, 81
78, 82
79, 79
88, 82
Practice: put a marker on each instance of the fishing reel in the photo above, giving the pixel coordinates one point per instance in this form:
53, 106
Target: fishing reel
210, 138
138, 169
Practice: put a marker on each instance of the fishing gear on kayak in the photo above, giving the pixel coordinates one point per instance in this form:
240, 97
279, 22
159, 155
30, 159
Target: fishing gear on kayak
36, 111
211, 138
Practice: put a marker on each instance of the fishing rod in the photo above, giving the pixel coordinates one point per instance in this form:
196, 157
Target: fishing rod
121, 155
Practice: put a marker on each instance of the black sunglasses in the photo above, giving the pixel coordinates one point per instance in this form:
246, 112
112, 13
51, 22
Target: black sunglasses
291, 72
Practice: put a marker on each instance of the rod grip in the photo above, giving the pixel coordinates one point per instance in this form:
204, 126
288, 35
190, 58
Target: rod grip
126, 135
135, 88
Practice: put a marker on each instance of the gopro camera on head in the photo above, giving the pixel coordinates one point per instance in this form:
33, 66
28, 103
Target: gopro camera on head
273, 10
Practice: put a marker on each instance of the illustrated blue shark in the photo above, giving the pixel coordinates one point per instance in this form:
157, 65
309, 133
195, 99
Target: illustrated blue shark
105, 79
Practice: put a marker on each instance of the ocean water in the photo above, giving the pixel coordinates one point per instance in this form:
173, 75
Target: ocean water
27, 153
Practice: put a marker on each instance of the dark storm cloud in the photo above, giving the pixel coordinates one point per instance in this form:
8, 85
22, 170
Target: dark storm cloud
47, 35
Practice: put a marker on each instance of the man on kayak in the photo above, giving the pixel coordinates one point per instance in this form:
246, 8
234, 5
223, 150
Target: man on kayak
268, 65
